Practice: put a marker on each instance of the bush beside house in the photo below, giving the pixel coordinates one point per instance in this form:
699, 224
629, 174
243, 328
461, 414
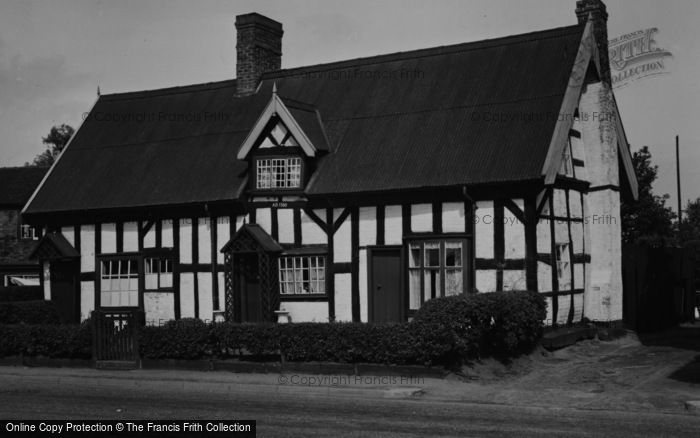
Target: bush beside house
29, 312
446, 331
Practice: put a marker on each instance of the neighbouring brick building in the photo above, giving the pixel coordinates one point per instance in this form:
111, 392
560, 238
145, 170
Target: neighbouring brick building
17, 239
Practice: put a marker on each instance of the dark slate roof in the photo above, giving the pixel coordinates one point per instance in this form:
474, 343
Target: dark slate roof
259, 236
53, 246
18, 183
309, 119
406, 120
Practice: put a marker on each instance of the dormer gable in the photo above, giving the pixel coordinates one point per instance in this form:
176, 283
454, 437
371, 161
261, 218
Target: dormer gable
290, 124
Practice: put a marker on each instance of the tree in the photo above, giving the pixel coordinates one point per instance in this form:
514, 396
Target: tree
55, 142
647, 221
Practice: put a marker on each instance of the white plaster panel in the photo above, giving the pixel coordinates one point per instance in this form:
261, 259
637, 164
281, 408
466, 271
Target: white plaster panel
368, 226
453, 217
108, 238
393, 224
204, 239
185, 241
206, 303
544, 277
577, 237
362, 278
240, 220
342, 245
263, 217
578, 307
311, 233
577, 148
421, 218
87, 248
306, 311
166, 234
222, 291
343, 297
563, 308
575, 207
69, 234
46, 272
560, 203
514, 280
187, 295
131, 236
87, 299
544, 239
514, 233
223, 235
579, 275
159, 307
285, 225
149, 239
486, 280
484, 230
549, 319
561, 232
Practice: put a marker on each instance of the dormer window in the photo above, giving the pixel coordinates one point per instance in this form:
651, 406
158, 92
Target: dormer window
278, 173
283, 145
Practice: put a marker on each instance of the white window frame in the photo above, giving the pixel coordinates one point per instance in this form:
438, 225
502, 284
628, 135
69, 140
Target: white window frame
422, 269
302, 275
112, 281
278, 173
160, 270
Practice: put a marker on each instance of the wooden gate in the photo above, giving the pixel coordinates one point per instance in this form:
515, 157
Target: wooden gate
115, 338
658, 287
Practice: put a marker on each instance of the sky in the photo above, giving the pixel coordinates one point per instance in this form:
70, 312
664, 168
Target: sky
55, 53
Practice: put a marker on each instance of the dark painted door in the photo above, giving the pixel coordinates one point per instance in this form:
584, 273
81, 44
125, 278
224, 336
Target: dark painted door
386, 302
249, 284
64, 289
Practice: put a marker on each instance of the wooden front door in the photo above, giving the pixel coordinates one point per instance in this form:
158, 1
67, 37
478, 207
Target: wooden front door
64, 290
385, 286
248, 282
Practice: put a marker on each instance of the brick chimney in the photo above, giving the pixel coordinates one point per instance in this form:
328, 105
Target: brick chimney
258, 50
596, 11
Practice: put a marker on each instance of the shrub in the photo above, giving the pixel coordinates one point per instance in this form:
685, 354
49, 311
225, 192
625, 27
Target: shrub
186, 338
57, 341
20, 293
257, 340
500, 324
29, 312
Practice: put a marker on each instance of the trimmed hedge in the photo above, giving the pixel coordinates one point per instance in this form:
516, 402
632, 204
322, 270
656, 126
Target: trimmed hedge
29, 312
445, 331
58, 341
20, 293
500, 324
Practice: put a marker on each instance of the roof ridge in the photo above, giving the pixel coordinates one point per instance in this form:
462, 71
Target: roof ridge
429, 51
23, 167
225, 83
368, 60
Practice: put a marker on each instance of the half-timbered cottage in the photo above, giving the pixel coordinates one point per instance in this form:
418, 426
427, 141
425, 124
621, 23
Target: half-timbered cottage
349, 191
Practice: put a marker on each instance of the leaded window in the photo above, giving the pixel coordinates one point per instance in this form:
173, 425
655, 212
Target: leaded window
119, 283
300, 275
435, 269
